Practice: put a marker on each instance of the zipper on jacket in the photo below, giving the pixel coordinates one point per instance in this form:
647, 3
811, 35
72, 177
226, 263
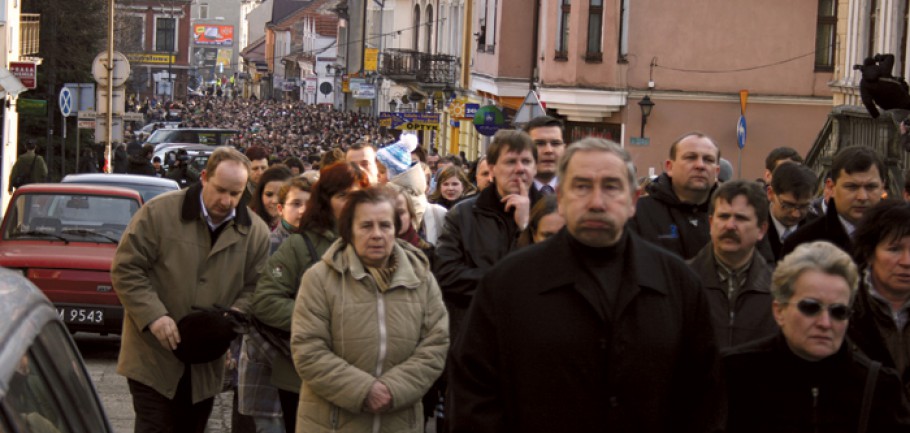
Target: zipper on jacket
334, 417
815, 409
383, 346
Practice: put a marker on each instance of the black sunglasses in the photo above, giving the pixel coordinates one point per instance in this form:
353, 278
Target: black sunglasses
811, 308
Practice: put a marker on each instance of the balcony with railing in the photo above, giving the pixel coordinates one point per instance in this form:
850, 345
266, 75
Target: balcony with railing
29, 34
409, 66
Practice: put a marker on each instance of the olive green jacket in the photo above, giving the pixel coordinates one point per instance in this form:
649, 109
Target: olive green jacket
348, 333
166, 264
273, 301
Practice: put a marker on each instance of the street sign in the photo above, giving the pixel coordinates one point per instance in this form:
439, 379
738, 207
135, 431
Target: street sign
365, 91
410, 121
470, 110
311, 85
26, 72
65, 102
119, 105
530, 109
85, 124
488, 120
101, 130
83, 94
121, 71
87, 115
741, 132
133, 117
31, 107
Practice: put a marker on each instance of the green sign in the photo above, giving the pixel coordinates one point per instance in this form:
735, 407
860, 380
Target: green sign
32, 107
488, 120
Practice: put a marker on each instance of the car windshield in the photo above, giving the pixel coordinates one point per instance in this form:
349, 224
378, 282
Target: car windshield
69, 217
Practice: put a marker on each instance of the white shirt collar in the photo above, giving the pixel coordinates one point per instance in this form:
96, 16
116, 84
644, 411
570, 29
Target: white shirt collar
208, 218
780, 227
848, 227
553, 182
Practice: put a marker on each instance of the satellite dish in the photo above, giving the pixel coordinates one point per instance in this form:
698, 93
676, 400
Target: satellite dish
415, 97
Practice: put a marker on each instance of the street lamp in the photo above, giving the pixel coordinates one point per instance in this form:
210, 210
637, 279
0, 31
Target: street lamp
646, 107
393, 104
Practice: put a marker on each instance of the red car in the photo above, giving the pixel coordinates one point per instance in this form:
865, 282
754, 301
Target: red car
63, 237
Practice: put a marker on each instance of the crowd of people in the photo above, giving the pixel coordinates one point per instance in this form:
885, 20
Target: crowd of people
537, 289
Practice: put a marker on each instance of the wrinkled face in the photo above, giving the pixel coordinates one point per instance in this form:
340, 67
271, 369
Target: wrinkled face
513, 171
857, 192
548, 226
484, 175
401, 208
366, 159
891, 267
294, 205
221, 190
734, 226
550, 148
787, 209
451, 188
340, 199
373, 234
270, 197
696, 165
814, 337
259, 166
595, 198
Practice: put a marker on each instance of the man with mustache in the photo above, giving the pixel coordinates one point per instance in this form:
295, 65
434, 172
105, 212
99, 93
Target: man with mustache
546, 133
735, 276
593, 329
674, 215
857, 181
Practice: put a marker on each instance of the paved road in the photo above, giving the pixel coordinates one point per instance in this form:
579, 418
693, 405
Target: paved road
100, 355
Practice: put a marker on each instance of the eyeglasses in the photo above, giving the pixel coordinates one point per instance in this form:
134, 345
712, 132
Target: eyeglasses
787, 206
811, 308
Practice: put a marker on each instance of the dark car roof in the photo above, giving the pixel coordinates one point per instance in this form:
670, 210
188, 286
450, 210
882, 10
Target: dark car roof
190, 147
25, 311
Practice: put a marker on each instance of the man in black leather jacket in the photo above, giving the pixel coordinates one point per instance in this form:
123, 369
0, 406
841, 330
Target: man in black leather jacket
483, 229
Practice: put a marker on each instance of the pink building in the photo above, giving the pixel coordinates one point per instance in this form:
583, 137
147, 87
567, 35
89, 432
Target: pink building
596, 59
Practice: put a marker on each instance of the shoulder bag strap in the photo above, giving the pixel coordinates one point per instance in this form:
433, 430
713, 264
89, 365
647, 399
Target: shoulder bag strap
309, 246
871, 379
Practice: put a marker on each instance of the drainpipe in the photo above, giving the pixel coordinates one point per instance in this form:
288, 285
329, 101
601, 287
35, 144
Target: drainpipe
536, 27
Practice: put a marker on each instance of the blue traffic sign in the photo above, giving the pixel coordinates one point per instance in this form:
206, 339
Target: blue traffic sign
741, 132
66, 102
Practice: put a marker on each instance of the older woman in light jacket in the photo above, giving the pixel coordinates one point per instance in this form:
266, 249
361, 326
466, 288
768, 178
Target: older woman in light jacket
369, 331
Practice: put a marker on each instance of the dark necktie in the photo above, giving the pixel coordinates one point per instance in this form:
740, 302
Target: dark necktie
546, 190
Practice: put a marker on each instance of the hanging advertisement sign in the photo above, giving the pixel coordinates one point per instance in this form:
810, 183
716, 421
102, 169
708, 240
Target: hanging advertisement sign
206, 34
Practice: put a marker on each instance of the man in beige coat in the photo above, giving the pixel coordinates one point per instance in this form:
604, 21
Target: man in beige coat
197, 247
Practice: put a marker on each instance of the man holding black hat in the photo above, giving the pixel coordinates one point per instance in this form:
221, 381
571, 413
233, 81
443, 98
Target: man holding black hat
185, 254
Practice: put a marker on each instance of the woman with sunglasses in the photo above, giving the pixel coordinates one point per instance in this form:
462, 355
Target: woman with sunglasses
805, 379
879, 325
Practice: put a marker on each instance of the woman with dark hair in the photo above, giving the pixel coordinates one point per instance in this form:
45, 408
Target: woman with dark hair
451, 186
370, 331
273, 301
265, 200
295, 164
881, 247
545, 221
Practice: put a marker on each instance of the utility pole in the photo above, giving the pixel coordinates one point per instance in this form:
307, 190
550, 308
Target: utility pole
110, 88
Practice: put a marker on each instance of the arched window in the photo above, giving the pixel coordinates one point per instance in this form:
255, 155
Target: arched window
416, 28
429, 46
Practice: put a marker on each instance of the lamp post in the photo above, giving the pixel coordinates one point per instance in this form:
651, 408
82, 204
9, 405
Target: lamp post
393, 104
646, 107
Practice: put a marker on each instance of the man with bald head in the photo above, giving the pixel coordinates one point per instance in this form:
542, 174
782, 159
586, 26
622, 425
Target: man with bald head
674, 214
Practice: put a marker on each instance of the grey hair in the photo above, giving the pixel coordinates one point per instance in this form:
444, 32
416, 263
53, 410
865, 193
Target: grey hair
600, 145
819, 256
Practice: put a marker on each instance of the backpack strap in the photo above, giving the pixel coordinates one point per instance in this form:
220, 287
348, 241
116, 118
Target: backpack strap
868, 392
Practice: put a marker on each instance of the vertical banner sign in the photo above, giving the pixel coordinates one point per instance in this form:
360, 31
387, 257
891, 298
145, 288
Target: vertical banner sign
370, 59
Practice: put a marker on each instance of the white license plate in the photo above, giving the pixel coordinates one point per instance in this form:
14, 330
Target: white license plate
81, 315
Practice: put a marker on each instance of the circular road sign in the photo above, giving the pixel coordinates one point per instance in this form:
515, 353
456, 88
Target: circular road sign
65, 101
325, 88
121, 71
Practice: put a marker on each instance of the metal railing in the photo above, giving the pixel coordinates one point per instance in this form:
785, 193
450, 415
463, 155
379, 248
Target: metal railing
414, 66
29, 34
850, 125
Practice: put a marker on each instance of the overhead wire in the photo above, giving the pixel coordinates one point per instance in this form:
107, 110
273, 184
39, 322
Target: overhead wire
726, 71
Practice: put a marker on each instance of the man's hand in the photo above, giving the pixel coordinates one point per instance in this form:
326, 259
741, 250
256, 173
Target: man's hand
379, 398
903, 126
165, 330
522, 205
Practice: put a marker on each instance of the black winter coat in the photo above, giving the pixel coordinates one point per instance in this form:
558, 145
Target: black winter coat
537, 356
477, 233
747, 316
140, 165
865, 331
660, 218
769, 389
827, 228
